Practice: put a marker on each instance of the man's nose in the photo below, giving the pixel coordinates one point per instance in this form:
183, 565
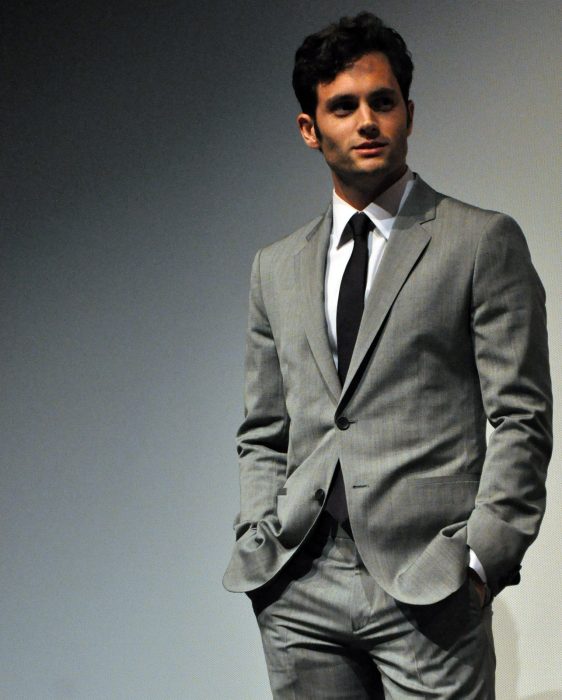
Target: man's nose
368, 124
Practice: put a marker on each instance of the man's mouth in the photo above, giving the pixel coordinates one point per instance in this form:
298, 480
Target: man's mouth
370, 146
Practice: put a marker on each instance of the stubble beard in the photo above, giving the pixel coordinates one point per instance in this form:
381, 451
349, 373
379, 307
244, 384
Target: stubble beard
370, 182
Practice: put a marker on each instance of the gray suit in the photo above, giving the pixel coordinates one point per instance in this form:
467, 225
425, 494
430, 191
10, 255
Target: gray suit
453, 332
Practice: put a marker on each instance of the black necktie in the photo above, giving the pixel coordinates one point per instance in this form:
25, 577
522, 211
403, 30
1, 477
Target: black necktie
352, 290
351, 301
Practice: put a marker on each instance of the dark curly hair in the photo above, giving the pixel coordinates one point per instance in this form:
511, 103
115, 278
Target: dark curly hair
326, 53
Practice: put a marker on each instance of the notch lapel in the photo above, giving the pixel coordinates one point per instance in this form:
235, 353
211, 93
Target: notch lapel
407, 242
310, 263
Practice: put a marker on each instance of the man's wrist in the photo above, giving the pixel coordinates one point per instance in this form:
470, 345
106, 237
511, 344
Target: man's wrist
482, 587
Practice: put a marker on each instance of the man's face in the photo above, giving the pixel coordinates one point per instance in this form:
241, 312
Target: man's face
362, 126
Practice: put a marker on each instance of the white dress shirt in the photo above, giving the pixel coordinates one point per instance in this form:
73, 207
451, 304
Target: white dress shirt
382, 212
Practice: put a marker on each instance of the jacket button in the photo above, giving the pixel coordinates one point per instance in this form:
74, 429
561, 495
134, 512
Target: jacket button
319, 496
342, 423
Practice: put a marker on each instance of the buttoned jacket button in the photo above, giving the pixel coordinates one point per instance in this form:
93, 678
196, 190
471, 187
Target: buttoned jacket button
342, 423
319, 496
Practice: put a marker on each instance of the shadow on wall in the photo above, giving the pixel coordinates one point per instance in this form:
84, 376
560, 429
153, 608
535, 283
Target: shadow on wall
508, 658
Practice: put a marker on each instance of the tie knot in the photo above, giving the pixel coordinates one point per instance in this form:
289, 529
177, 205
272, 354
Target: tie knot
357, 227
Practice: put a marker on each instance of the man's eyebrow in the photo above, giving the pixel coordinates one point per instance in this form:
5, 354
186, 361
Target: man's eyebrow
350, 96
341, 97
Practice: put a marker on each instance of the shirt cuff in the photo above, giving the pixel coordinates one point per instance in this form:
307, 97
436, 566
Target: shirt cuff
475, 565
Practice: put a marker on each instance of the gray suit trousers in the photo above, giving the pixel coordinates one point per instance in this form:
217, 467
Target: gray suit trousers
329, 631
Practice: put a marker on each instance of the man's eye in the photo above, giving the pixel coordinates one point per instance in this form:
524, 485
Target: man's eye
343, 108
383, 104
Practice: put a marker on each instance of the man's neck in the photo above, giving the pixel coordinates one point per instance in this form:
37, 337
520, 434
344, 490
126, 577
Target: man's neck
360, 197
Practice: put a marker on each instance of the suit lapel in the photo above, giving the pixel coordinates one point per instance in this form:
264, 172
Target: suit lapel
310, 264
407, 242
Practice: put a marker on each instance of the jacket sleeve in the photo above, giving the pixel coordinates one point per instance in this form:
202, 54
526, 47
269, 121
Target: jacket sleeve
511, 354
262, 439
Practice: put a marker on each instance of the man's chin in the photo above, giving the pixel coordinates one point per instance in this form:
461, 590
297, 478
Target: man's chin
370, 181
370, 174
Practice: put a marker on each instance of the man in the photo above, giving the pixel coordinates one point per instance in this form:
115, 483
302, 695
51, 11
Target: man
376, 525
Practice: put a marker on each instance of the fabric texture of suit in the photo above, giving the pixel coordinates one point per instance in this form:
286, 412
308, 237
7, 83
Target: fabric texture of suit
453, 334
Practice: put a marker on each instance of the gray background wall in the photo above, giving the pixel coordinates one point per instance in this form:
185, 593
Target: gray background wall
149, 149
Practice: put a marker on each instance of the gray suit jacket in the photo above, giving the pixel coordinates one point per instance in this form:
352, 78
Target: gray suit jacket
453, 333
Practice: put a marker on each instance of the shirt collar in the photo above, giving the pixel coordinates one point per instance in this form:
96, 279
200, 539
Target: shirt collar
382, 211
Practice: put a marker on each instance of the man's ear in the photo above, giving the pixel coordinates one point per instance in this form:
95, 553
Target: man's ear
308, 131
410, 108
